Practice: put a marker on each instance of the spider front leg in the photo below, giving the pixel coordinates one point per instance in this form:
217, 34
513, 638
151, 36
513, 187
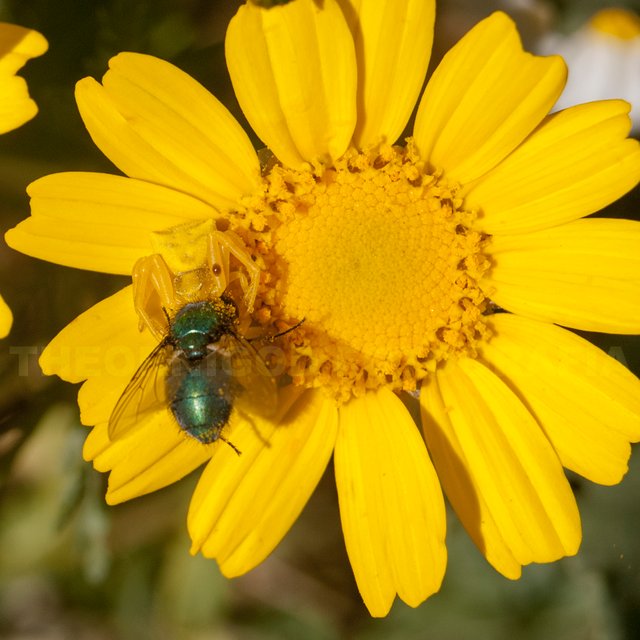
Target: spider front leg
153, 293
222, 247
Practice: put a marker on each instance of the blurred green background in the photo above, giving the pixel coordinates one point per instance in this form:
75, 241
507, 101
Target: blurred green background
71, 567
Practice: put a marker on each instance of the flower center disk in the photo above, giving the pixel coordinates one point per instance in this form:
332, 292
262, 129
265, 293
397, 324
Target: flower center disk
377, 256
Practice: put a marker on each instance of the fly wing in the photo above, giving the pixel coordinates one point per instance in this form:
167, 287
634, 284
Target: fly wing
252, 386
144, 394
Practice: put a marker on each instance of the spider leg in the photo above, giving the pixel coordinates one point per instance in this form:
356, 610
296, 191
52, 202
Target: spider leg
233, 246
153, 293
219, 263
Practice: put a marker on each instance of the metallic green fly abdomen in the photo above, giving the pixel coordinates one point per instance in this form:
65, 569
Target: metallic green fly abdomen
200, 399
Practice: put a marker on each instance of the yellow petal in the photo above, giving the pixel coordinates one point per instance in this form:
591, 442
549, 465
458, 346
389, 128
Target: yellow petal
17, 45
99, 393
498, 469
484, 98
243, 505
583, 274
98, 221
577, 162
473, 510
103, 341
393, 47
154, 455
6, 319
391, 505
293, 69
586, 401
156, 123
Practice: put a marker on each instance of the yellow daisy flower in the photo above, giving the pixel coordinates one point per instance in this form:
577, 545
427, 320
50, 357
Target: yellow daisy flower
397, 258
17, 45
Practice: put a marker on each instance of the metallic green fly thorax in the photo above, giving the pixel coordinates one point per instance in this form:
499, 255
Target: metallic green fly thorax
200, 324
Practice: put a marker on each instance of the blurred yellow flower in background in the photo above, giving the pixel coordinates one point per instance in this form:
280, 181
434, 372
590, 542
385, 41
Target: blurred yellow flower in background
397, 257
603, 57
17, 45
